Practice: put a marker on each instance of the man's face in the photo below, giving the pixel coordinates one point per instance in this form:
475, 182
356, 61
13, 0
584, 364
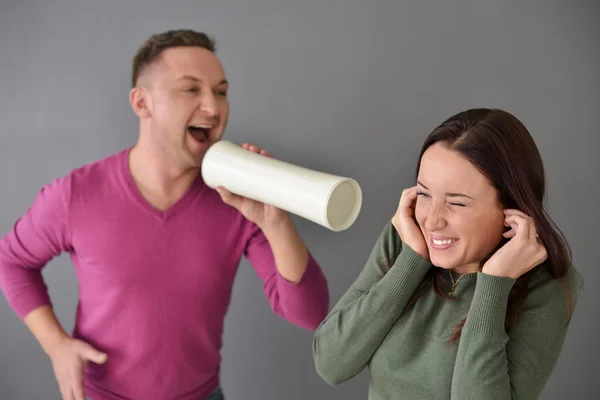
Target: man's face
186, 105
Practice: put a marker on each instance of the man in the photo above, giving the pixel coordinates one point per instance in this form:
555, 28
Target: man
155, 250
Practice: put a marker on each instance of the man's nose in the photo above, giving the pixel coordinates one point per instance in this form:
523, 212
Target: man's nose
208, 104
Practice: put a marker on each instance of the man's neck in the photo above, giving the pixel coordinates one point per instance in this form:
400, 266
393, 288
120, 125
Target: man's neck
158, 180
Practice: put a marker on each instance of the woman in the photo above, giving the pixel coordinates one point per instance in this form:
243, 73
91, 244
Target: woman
469, 289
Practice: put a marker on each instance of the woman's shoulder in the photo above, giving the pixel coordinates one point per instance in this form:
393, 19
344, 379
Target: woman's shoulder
543, 280
554, 293
389, 240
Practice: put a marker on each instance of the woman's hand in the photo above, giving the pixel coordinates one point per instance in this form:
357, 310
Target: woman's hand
407, 228
521, 253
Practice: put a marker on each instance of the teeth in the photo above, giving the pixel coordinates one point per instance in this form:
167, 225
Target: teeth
201, 126
442, 242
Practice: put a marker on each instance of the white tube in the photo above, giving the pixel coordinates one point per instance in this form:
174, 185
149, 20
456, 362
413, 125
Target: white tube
328, 200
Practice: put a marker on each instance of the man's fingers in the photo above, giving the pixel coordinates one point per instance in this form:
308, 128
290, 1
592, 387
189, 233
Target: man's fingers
255, 149
69, 394
64, 392
229, 198
88, 353
266, 153
77, 383
78, 393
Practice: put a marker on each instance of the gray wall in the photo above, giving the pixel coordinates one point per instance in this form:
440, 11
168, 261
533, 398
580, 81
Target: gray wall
349, 87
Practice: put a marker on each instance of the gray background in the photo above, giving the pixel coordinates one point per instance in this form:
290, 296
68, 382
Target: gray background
348, 87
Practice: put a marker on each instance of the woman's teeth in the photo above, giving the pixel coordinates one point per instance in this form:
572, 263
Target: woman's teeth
443, 242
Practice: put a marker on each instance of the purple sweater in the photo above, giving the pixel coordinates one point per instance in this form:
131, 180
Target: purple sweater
154, 287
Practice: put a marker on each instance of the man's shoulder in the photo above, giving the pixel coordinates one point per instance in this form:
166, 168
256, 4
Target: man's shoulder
99, 168
92, 177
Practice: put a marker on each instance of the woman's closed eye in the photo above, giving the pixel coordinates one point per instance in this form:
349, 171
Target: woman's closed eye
427, 195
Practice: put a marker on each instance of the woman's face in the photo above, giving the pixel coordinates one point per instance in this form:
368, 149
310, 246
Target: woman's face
457, 210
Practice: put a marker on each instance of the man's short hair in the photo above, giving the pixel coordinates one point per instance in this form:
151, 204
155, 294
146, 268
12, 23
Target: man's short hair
153, 47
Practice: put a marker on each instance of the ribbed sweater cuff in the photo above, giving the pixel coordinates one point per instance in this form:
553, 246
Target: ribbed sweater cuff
404, 276
488, 308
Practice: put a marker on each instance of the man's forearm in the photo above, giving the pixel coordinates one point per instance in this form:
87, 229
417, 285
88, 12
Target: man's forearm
289, 250
44, 325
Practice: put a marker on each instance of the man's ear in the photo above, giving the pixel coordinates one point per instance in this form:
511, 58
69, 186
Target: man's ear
140, 102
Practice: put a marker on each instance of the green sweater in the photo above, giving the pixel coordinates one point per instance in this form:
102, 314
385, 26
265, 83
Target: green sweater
407, 353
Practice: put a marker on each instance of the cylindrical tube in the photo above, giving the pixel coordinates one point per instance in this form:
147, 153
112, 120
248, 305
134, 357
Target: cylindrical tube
328, 200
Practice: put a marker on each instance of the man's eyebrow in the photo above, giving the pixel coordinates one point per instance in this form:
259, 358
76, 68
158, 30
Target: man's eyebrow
449, 194
196, 79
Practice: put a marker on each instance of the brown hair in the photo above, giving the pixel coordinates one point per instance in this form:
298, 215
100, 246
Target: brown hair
153, 47
502, 149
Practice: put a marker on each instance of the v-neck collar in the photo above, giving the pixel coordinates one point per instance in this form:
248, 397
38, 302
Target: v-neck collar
190, 194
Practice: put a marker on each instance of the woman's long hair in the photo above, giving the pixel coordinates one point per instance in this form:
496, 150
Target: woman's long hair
502, 149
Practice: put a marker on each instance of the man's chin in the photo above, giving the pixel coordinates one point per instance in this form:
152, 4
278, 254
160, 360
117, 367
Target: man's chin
197, 163
194, 159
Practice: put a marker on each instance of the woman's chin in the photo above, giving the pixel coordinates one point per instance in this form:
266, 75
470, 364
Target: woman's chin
443, 262
444, 266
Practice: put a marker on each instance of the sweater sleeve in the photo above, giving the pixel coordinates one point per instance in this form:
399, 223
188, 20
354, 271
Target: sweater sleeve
36, 237
347, 339
305, 303
492, 364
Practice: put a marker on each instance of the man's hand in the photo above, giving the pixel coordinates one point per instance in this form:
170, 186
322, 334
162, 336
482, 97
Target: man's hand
69, 358
261, 214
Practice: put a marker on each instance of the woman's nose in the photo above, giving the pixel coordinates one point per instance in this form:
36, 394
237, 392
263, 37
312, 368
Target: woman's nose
435, 219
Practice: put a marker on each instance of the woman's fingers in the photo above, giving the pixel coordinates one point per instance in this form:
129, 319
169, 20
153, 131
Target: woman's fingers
523, 226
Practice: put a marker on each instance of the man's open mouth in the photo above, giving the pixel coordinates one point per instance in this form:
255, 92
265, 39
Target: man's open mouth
200, 132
